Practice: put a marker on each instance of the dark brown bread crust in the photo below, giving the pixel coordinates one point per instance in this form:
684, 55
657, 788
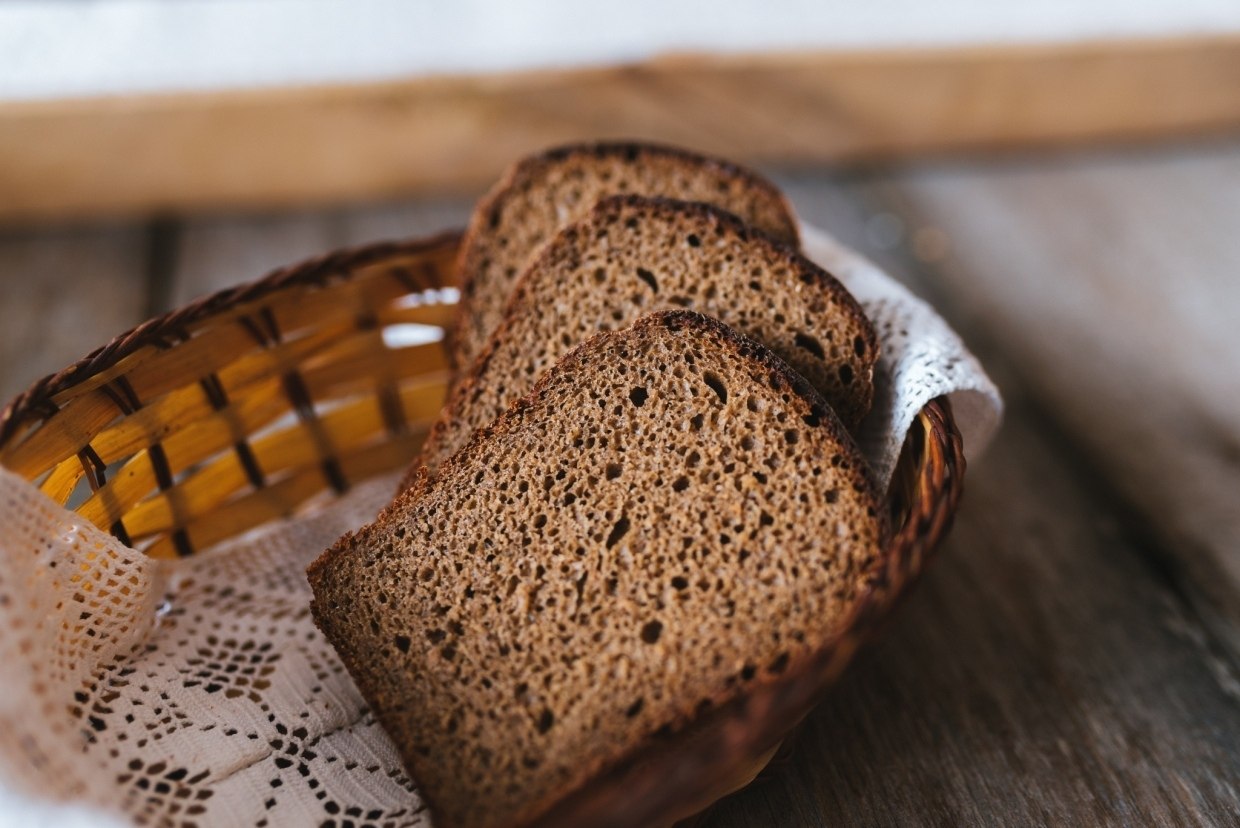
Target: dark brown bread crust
470, 329
850, 403
571, 807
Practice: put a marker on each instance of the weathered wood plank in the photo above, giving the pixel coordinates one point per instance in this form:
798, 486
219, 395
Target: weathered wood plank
213, 253
64, 292
1112, 282
263, 148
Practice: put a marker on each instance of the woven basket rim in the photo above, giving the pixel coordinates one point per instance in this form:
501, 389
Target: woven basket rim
340, 264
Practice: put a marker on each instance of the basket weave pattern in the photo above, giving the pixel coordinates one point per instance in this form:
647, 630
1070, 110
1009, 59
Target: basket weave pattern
238, 408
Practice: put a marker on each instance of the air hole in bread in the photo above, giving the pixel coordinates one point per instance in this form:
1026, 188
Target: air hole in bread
693, 240
859, 346
651, 631
846, 374
717, 386
808, 343
635, 708
638, 396
402, 643
680, 484
545, 721
680, 582
612, 471
647, 277
618, 531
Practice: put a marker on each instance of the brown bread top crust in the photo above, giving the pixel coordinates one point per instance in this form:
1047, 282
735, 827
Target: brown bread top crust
671, 519
633, 255
541, 193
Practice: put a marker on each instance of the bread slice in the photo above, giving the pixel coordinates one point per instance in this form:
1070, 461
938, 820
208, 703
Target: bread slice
672, 519
544, 192
633, 255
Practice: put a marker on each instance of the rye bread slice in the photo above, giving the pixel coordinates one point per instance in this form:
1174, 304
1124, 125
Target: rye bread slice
671, 520
542, 193
634, 255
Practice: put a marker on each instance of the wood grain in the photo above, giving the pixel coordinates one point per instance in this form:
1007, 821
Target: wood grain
62, 293
434, 135
211, 253
1112, 284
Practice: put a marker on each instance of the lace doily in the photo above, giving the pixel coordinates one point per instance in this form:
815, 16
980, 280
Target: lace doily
198, 692
922, 358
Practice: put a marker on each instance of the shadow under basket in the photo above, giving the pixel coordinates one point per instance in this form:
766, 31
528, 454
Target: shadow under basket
261, 401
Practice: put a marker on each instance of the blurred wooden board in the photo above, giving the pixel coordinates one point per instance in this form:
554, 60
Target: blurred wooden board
212, 253
296, 146
63, 292
1112, 283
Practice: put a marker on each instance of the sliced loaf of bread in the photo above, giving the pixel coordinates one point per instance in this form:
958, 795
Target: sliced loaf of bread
634, 255
672, 519
542, 193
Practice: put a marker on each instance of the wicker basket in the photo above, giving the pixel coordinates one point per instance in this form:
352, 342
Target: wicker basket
256, 402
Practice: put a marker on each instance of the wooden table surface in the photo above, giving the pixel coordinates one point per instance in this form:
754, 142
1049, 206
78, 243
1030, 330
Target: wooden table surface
1073, 658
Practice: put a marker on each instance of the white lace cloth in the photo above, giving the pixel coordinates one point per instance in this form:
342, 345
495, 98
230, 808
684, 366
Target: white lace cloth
198, 692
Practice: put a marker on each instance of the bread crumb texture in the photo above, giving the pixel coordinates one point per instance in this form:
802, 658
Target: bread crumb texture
633, 255
542, 193
672, 516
